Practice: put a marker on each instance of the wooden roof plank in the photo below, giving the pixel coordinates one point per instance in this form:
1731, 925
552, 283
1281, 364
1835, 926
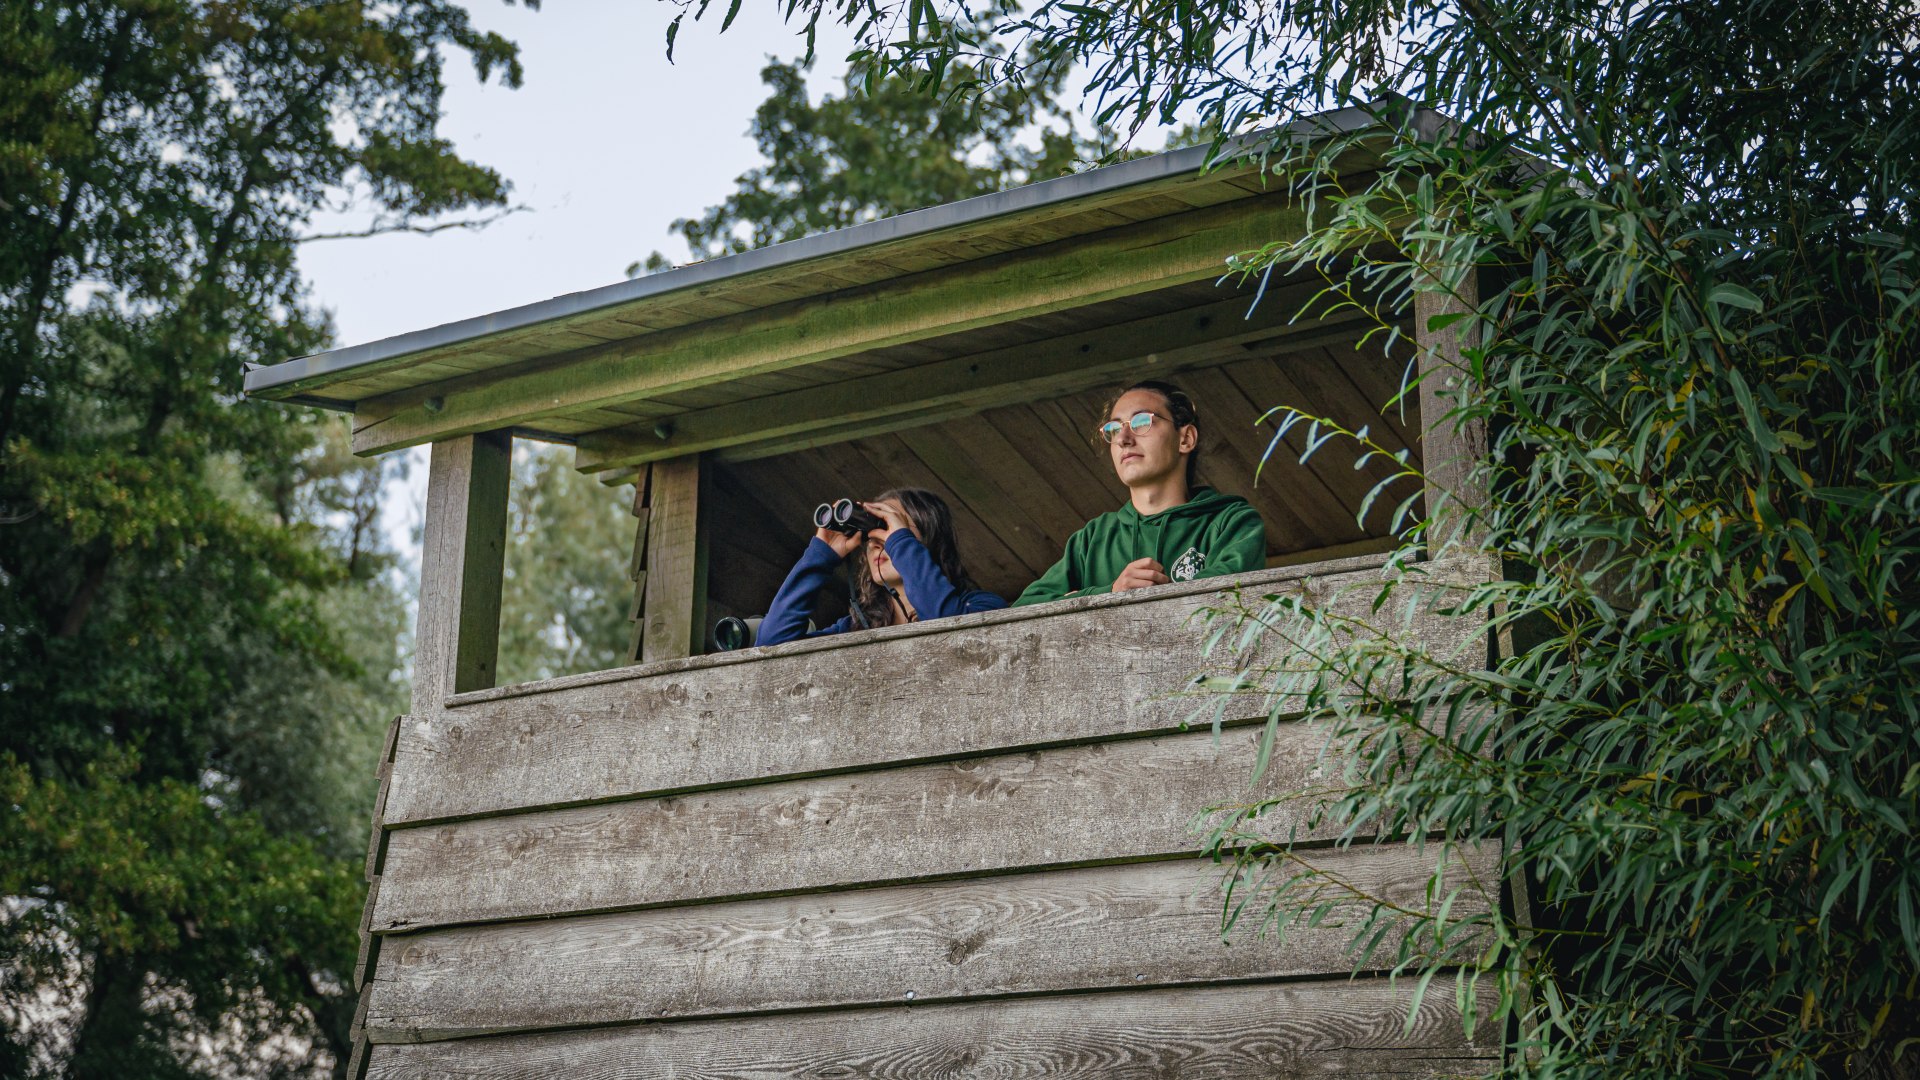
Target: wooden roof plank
958, 464
1082, 477
1317, 387
1023, 372
1083, 270
991, 561
789, 488
1227, 468
1221, 394
1000, 214
1210, 192
1377, 378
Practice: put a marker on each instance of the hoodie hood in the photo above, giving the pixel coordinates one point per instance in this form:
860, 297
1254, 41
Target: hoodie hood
1202, 502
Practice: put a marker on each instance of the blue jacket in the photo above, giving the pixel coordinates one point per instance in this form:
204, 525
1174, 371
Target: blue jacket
927, 589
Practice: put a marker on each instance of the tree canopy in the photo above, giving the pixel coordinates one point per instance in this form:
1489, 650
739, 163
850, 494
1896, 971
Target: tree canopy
1680, 243
563, 606
883, 147
198, 629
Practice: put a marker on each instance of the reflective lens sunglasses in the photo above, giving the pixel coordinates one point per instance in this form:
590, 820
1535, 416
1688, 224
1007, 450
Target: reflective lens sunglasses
1139, 422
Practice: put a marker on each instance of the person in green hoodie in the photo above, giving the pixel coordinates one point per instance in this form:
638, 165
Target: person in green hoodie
1171, 529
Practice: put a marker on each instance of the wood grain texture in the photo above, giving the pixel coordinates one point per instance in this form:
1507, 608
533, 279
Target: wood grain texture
891, 459
1074, 805
1252, 1032
782, 283
383, 776
1136, 925
673, 611
1082, 669
953, 459
462, 559
376, 856
1019, 373
1453, 450
642, 511
1155, 365
1313, 381
1227, 407
1064, 453
1070, 272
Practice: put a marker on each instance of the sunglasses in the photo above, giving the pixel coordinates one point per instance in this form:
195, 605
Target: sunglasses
1139, 423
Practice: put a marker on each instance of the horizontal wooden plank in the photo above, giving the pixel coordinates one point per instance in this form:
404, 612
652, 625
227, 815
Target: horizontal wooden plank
1159, 365
1093, 803
1075, 271
1141, 924
1262, 1031
1018, 373
1081, 669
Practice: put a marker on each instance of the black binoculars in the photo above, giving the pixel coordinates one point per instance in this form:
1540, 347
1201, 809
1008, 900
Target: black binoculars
733, 633
845, 516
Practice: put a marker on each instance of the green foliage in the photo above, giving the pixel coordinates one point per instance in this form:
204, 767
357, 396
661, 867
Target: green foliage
154, 880
198, 630
885, 148
563, 607
1694, 345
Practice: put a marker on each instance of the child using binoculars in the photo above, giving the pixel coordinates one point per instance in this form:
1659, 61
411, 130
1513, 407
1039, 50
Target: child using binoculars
909, 567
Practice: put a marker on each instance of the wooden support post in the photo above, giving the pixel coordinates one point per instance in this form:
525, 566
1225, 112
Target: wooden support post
1452, 450
674, 610
458, 633
637, 562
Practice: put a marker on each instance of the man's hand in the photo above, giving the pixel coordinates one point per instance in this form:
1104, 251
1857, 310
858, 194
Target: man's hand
1139, 574
842, 544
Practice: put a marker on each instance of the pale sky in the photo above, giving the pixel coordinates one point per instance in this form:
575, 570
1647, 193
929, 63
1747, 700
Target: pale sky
605, 143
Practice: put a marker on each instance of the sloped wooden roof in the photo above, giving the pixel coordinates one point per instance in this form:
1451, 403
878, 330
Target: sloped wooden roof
987, 301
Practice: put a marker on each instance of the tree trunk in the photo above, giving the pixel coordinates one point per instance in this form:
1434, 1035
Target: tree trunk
93, 576
111, 1041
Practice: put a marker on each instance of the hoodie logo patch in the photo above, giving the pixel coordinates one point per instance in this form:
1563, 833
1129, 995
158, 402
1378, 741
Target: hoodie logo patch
1188, 565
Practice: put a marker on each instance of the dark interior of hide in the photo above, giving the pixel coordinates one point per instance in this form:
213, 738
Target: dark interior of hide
1022, 478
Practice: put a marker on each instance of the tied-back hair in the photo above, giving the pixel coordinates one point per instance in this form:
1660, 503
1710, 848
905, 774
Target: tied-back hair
934, 523
1180, 407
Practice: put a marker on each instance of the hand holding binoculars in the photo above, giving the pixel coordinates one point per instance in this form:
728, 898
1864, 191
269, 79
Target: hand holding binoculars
846, 516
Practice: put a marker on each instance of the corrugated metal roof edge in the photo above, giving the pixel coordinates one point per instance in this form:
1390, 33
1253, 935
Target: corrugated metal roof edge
261, 379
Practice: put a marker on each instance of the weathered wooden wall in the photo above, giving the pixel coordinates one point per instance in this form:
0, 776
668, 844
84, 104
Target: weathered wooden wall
960, 848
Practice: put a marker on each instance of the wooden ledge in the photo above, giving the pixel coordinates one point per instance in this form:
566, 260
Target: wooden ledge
856, 638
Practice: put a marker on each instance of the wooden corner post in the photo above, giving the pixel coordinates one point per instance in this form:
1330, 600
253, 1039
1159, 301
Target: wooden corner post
461, 563
1451, 449
673, 591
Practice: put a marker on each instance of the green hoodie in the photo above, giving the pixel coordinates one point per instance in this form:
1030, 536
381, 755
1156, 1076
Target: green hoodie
1208, 535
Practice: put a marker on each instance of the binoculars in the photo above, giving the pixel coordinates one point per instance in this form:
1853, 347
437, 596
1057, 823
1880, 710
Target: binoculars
733, 633
845, 516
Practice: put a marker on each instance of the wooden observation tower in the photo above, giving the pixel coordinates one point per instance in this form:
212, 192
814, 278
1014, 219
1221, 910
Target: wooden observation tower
961, 848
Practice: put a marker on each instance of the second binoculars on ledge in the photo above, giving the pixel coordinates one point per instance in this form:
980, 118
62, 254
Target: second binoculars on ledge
845, 516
